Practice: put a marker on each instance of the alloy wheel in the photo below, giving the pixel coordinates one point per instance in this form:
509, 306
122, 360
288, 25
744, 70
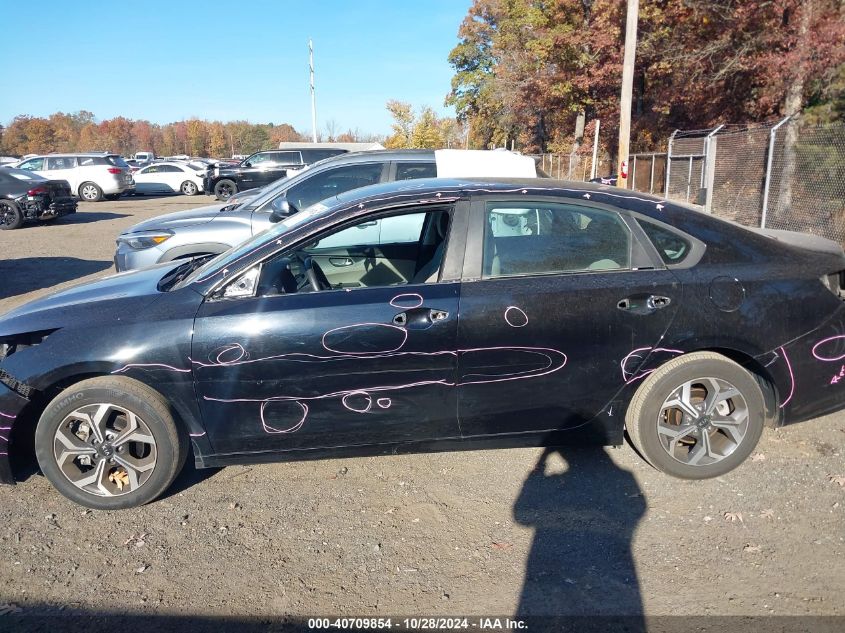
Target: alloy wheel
702, 421
105, 450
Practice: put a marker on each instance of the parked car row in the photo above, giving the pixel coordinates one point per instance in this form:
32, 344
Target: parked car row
261, 169
95, 176
91, 176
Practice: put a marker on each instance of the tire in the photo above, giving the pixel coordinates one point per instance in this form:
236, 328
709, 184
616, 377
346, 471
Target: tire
10, 215
189, 188
90, 192
672, 440
155, 446
225, 189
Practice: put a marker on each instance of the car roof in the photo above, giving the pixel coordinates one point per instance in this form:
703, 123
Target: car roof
378, 154
64, 154
432, 189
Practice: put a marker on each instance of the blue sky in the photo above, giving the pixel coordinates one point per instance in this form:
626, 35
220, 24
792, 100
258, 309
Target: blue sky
239, 59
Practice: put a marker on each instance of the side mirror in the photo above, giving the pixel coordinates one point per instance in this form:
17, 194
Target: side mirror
247, 164
281, 209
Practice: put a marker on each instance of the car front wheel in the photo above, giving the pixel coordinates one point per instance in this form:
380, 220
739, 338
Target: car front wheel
109, 443
697, 416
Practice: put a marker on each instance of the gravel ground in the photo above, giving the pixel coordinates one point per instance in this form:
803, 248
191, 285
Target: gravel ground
574, 531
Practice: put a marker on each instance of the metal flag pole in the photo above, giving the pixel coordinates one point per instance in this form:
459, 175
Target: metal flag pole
313, 96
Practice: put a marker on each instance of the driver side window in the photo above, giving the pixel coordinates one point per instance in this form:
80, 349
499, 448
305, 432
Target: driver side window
36, 164
374, 252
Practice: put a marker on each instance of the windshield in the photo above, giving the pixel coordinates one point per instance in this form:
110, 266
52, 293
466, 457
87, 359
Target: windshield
268, 235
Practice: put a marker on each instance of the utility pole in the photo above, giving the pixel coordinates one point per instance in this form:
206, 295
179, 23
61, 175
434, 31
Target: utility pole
313, 96
627, 91
594, 170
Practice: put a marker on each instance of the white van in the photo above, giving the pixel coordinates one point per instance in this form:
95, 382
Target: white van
92, 177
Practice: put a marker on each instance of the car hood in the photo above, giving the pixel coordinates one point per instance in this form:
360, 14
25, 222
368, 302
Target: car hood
94, 301
178, 219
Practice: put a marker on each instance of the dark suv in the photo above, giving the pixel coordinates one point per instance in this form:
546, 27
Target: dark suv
261, 169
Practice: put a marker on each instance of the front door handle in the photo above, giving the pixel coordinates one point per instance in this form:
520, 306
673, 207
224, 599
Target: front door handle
643, 303
419, 318
340, 262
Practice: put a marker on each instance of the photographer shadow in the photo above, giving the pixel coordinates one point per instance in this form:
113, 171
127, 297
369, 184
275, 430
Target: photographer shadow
580, 571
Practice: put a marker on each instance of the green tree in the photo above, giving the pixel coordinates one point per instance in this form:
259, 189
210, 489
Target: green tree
426, 133
402, 126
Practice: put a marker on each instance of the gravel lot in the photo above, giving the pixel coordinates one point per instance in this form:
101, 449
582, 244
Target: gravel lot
581, 531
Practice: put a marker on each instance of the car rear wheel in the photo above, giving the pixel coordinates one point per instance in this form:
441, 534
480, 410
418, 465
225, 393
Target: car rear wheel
189, 188
10, 215
698, 416
90, 192
225, 189
109, 443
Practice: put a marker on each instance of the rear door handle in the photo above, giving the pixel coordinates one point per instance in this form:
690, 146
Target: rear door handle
643, 304
419, 318
655, 302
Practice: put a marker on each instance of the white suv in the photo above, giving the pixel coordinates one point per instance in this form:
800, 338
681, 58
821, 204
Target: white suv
92, 177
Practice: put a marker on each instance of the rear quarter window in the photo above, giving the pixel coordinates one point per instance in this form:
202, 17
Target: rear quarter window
117, 161
87, 161
671, 247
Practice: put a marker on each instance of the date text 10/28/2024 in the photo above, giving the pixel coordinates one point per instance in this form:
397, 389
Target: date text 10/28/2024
421, 623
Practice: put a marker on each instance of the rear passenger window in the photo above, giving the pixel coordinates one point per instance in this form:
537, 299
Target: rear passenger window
410, 171
536, 238
61, 162
287, 158
672, 247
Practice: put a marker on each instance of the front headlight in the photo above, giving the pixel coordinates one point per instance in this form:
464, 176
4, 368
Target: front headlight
144, 239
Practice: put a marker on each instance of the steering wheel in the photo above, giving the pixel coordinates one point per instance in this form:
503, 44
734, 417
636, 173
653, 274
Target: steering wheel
316, 277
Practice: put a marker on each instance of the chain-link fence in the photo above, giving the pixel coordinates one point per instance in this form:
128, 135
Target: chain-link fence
739, 174
566, 166
647, 173
784, 176
807, 183
685, 165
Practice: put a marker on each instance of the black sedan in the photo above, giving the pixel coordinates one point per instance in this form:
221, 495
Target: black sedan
25, 196
437, 315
